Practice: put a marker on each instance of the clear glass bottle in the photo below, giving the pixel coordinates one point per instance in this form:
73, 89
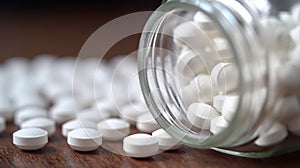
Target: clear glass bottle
260, 38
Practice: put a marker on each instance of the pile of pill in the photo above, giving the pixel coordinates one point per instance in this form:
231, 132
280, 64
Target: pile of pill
209, 77
40, 94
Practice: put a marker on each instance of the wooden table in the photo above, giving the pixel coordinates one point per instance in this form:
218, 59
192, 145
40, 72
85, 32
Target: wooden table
62, 32
58, 154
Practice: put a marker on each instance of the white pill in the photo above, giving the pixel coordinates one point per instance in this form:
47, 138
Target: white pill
226, 105
165, 140
140, 145
218, 124
54, 90
93, 114
224, 77
206, 25
293, 125
108, 106
295, 34
62, 112
188, 34
200, 114
76, 123
46, 124
189, 64
222, 49
114, 129
29, 113
275, 134
28, 100
2, 124
132, 111
287, 19
199, 90
146, 123
286, 108
30, 138
84, 139
6, 109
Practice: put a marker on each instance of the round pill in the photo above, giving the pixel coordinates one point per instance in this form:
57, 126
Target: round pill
84, 139
146, 123
226, 105
114, 129
274, 135
188, 34
189, 65
93, 114
132, 111
108, 106
63, 112
30, 138
218, 124
200, 114
46, 124
29, 113
224, 77
2, 124
76, 123
165, 140
199, 90
28, 100
140, 145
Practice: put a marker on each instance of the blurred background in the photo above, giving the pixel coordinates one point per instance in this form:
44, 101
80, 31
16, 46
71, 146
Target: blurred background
60, 27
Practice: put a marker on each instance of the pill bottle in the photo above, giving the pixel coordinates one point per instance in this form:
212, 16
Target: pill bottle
182, 44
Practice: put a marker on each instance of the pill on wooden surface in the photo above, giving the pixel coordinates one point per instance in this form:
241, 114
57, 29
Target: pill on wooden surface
6, 109
30, 138
46, 124
2, 124
295, 34
200, 114
224, 77
132, 111
146, 123
140, 145
93, 114
76, 123
84, 139
218, 124
293, 125
286, 108
62, 112
29, 113
189, 64
114, 129
165, 140
277, 133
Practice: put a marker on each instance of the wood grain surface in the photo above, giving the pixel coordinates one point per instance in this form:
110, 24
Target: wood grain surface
58, 154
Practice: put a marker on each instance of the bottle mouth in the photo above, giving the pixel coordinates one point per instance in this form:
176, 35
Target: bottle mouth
193, 59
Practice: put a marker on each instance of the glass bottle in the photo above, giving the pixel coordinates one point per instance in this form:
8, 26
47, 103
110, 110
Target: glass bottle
260, 39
